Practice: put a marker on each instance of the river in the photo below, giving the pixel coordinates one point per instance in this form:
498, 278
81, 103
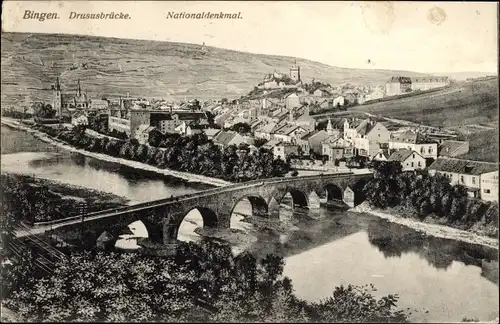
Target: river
444, 280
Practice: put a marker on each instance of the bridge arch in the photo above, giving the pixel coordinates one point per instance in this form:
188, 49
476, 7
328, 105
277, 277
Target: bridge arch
299, 198
333, 192
359, 192
258, 204
208, 216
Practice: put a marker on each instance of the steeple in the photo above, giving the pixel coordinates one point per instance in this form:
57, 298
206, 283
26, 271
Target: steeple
329, 127
58, 87
79, 93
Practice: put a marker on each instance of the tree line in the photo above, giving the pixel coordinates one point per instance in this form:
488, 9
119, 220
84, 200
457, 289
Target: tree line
200, 155
427, 195
202, 283
35, 200
195, 154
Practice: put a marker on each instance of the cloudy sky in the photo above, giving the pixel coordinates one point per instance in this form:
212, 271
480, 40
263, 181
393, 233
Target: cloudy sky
418, 36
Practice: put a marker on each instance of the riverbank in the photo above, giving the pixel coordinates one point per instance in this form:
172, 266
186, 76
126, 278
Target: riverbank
435, 230
52, 200
189, 177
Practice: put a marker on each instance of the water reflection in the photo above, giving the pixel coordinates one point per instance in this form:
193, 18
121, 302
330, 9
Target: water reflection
394, 240
79, 170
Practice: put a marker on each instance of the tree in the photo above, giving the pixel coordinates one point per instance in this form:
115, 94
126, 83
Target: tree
242, 128
258, 142
155, 137
295, 173
43, 110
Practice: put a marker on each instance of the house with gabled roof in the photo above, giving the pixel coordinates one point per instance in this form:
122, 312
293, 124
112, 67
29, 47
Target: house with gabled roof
410, 160
315, 140
211, 132
369, 135
381, 155
416, 141
289, 133
265, 130
226, 138
477, 176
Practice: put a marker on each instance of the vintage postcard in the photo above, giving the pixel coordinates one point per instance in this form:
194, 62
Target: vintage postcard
272, 161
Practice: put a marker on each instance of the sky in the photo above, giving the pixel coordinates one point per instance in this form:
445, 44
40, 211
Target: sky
418, 36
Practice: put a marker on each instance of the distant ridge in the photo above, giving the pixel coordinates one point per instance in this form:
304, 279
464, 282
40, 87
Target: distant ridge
461, 76
114, 66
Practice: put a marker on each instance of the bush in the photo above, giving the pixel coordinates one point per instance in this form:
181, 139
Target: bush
426, 195
202, 283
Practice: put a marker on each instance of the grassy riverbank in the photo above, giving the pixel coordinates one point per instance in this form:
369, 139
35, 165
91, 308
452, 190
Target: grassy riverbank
35, 199
427, 226
104, 157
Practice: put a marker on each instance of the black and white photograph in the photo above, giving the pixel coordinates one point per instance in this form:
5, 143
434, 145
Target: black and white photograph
249, 161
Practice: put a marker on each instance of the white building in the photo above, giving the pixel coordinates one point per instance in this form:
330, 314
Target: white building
480, 178
415, 141
339, 101
409, 160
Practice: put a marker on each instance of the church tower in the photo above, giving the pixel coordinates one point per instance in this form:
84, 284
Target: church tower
295, 72
57, 98
79, 90
329, 127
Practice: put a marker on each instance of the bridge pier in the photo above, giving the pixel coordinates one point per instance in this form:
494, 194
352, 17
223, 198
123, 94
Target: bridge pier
348, 197
169, 233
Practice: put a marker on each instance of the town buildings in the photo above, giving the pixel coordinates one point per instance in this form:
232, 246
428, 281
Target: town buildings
410, 160
66, 104
283, 150
415, 141
400, 84
480, 178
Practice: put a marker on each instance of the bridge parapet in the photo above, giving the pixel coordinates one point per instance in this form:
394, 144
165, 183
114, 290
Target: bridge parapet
163, 217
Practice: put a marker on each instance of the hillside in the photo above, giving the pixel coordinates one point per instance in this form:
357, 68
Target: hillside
464, 103
113, 67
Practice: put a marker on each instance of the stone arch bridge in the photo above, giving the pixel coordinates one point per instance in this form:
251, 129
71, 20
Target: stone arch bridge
163, 218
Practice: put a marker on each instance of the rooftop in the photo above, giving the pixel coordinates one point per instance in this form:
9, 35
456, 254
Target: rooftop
447, 148
400, 155
410, 137
224, 137
463, 166
286, 129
